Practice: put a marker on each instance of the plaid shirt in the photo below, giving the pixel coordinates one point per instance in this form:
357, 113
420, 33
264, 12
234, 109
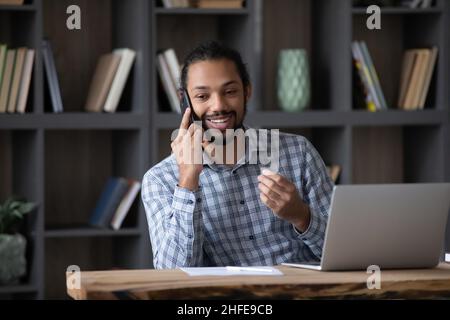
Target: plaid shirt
225, 222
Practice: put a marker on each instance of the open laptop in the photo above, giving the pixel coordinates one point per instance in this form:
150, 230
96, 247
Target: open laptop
391, 226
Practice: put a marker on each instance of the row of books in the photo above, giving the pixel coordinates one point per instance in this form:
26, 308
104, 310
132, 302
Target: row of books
109, 79
415, 78
373, 93
116, 199
169, 71
16, 66
107, 84
205, 4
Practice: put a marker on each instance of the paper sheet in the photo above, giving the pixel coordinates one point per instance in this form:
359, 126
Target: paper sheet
231, 271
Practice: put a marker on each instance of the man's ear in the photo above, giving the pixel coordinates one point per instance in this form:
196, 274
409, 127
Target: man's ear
248, 92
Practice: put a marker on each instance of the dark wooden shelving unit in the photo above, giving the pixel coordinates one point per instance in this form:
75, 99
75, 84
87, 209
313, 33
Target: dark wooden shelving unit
61, 161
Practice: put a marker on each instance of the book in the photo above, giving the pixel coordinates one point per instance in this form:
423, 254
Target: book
125, 204
109, 200
428, 76
411, 98
25, 81
167, 82
3, 50
101, 82
362, 73
218, 4
16, 78
52, 76
373, 74
6, 81
127, 57
405, 76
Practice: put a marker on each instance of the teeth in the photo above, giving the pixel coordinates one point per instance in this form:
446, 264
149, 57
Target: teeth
219, 121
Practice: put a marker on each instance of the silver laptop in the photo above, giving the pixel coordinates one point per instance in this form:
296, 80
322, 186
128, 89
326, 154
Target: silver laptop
391, 226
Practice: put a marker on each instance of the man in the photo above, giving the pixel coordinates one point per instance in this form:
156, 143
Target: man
230, 214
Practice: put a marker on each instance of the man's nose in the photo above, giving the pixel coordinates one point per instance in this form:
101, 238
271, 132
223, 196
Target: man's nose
217, 103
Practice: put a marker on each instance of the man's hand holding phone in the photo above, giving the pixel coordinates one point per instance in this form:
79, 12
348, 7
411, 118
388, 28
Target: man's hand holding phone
187, 148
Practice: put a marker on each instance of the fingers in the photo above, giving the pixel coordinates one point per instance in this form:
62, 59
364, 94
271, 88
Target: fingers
273, 194
273, 185
278, 179
185, 120
268, 202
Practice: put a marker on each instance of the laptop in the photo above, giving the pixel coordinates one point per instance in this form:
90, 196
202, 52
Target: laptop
389, 225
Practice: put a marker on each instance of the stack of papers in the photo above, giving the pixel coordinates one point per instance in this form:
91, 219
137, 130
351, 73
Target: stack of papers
233, 271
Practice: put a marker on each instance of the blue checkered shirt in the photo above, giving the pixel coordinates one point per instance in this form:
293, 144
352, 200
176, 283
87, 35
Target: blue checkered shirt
225, 222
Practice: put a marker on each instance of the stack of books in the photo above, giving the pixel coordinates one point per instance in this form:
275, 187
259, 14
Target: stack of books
109, 79
114, 203
16, 66
415, 78
372, 91
169, 72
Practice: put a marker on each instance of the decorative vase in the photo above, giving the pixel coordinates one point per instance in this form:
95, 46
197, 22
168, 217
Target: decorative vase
12, 256
293, 81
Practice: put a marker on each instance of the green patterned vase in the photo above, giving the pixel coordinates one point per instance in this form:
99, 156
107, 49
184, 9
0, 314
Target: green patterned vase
293, 82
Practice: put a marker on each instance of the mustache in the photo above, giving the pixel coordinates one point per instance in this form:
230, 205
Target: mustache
219, 113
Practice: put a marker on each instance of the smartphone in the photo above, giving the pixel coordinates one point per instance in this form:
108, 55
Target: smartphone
186, 103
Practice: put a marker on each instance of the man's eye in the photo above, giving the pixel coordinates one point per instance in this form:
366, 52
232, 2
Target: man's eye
200, 97
231, 92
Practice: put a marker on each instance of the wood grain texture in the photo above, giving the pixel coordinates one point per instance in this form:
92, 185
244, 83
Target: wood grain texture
295, 284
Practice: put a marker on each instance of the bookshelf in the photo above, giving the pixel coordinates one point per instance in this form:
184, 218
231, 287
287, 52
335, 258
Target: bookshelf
62, 160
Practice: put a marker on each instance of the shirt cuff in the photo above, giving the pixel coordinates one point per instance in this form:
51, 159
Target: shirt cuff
186, 200
314, 234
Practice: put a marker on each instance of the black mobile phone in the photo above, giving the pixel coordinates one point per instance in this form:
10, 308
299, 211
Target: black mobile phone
186, 103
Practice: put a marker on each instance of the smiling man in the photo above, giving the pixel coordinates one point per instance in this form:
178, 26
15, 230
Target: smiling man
217, 214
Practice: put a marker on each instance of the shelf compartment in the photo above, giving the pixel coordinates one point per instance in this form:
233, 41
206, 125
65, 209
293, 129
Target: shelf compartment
387, 154
77, 165
109, 25
387, 46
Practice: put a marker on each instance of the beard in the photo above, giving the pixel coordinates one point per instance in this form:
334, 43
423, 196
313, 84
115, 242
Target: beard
237, 125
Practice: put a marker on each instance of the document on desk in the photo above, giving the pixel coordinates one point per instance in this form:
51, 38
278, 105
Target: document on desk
233, 271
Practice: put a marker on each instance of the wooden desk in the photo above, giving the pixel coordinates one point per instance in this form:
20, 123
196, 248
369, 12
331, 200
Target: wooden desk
295, 284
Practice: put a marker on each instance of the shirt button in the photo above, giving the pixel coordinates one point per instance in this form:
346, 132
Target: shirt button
190, 202
190, 236
252, 237
242, 202
199, 200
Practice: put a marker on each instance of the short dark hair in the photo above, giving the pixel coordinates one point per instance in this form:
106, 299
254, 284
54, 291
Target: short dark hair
213, 50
